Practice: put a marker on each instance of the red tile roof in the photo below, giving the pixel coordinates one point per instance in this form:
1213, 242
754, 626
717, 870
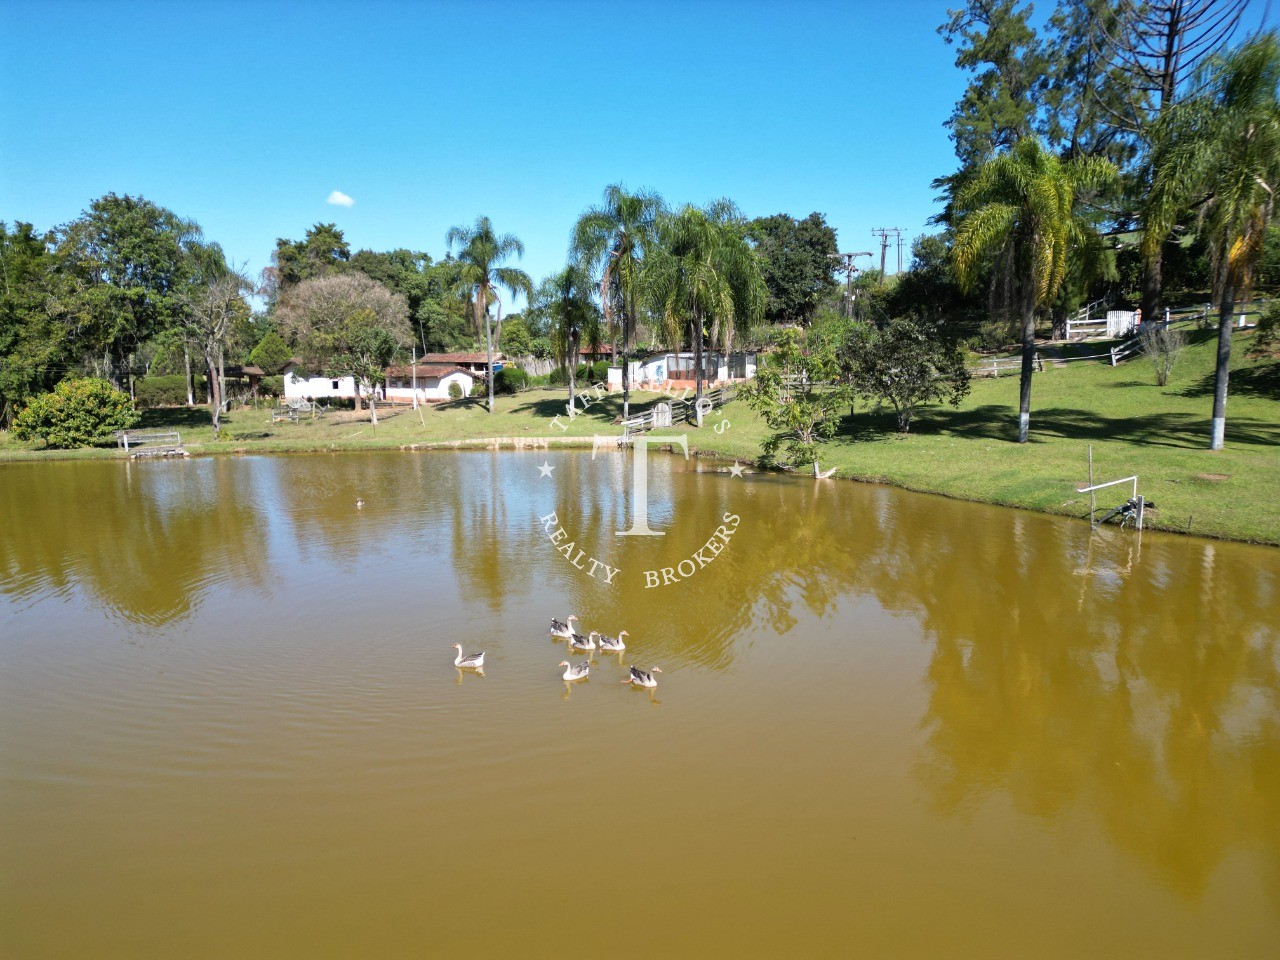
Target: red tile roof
459, 358
427, 370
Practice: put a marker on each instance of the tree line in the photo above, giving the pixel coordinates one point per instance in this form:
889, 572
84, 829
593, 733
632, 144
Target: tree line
1122, 147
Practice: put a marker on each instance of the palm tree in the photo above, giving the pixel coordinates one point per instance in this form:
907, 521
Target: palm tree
1219, 154
704, 271
614, 238
1020, 209
480, 253
566, 298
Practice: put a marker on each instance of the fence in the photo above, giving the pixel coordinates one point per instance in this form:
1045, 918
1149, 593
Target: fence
995, 365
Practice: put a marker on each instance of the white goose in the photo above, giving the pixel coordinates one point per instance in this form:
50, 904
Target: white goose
473, 661
579, 642
562, 628
575, 671
640, 678
613, 643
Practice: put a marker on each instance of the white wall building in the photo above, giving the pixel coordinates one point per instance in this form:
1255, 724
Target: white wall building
433, 381
672, 368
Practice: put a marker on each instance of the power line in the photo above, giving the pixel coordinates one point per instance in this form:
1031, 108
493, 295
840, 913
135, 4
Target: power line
883, 234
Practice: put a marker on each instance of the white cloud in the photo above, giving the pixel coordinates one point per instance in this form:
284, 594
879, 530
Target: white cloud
340, 199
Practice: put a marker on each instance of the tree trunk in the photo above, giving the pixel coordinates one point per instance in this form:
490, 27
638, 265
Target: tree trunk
1028, 362
1226, 310
222, 379
373, 406
215, 393
186, 362
1152, 280
572, 363
697, 362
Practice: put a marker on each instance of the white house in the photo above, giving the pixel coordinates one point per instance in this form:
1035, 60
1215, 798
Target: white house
433, 384
476, 363
673, 369
433, 381
317, 388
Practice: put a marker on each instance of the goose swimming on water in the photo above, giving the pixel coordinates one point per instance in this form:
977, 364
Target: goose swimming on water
575, 671
578, 642
613, 643
641, 678
562, 628
470, 661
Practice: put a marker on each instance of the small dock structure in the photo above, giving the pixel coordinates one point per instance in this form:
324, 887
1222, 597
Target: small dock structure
141, 444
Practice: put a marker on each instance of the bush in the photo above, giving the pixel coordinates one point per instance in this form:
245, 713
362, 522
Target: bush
78, 413
271, 387
170, 391
478, 389
541, 380
557, 377
597, 372
509, 380
455, 391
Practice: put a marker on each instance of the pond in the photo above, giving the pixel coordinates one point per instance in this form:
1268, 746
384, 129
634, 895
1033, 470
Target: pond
886, 724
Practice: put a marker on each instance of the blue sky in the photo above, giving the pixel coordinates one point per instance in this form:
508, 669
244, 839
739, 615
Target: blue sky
247, 116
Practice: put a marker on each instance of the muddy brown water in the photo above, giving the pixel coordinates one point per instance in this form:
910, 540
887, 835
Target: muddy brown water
887, 724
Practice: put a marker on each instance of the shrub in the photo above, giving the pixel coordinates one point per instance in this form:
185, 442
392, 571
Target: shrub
78, 413
478, 389
509, 380
541, 380
271, 387
455, 391
1162, 347
557, 377
170, 391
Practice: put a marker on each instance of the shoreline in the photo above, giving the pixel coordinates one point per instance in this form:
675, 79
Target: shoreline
540, 443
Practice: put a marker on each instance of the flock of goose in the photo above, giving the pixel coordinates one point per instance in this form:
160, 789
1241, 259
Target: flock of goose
577, 642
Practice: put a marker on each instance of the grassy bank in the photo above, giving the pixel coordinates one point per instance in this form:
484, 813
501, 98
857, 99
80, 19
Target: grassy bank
1159, 433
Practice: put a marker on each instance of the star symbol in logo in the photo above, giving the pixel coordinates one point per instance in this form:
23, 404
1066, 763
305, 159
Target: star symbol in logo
736, 469
545, 469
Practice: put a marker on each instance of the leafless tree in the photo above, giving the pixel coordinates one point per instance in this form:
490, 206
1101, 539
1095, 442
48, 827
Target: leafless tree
1157, 46
210, 309
317, 315
1162, 346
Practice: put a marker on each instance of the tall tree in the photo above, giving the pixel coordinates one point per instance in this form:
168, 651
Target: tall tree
1021, 206
565, 297
323, 250
1223, 159
125, 257
211, 300
612, 239
702, 274
996, 43
35, 337
1155, 50
796, 261
480, 253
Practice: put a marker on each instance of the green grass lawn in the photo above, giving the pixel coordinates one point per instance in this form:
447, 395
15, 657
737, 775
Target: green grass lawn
1159, 433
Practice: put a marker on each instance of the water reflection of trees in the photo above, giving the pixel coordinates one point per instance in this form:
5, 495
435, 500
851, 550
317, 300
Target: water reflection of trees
146, 539
1139, 682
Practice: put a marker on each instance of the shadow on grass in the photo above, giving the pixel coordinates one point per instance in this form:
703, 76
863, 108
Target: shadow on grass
174, 418
1260, 381
996, 422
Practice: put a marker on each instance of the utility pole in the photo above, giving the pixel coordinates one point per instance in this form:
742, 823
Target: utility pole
883, 234
848, 269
